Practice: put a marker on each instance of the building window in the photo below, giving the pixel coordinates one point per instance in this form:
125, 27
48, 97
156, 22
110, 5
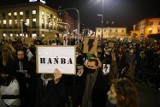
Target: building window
34, 22
9, 14
10, 22
4, 22
27, 13
122, 31
4, 15
150, 30
99, 30
43, 23
151, 23
34, 19
42, 12
21, 13
27, 22
110, 30
15, 23
33, 11
15, 13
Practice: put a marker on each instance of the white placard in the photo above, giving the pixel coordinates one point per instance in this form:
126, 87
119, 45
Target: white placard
51, 57
106, 69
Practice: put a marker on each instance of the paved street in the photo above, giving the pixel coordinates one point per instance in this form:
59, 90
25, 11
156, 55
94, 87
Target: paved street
148, 96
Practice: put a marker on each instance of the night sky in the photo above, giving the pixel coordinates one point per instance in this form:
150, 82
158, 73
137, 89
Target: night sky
123, 13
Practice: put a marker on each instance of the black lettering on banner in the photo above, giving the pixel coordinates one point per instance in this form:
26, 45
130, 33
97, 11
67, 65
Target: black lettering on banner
56, 60
63, 60
49, 61
42, 60
70, 61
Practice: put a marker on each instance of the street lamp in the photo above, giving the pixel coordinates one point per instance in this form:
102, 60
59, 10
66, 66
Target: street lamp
102, 16
78, 25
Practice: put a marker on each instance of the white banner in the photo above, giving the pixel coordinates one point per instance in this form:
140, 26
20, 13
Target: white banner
51, 57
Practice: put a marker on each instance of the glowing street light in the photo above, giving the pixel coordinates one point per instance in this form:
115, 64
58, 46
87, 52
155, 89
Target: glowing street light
102, 16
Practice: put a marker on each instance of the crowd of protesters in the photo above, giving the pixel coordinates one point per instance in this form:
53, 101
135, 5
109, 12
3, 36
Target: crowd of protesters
130, 62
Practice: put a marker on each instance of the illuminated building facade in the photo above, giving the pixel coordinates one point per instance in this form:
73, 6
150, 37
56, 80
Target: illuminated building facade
147, 26
37, 16
110, 32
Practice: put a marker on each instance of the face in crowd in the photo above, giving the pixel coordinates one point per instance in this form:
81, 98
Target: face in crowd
20, 54
92, 65
123, 93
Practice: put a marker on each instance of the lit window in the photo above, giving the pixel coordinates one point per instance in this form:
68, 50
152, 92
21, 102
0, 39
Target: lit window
34, 19
122, 30
4, 21
21, 13
10, 22
15, 21
0, 21
42, 35
11, 34
33, 11
34, 35
54, 17
15, 13
9, 14
21, 20
150, 23
27, 21
42, 20
4, 34
150, 30
42, 12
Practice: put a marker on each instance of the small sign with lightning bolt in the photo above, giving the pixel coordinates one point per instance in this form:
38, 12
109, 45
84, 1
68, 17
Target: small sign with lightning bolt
90, 45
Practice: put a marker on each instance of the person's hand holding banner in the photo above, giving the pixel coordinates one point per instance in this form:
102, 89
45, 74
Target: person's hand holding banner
80, 70
57, 76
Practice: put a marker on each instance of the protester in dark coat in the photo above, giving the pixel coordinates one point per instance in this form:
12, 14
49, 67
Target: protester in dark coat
92, 86
23, 75
50, 90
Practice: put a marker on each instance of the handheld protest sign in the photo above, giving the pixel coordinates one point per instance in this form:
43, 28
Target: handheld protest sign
90, 45
111, 44
28, 41
49, 58
106, 69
